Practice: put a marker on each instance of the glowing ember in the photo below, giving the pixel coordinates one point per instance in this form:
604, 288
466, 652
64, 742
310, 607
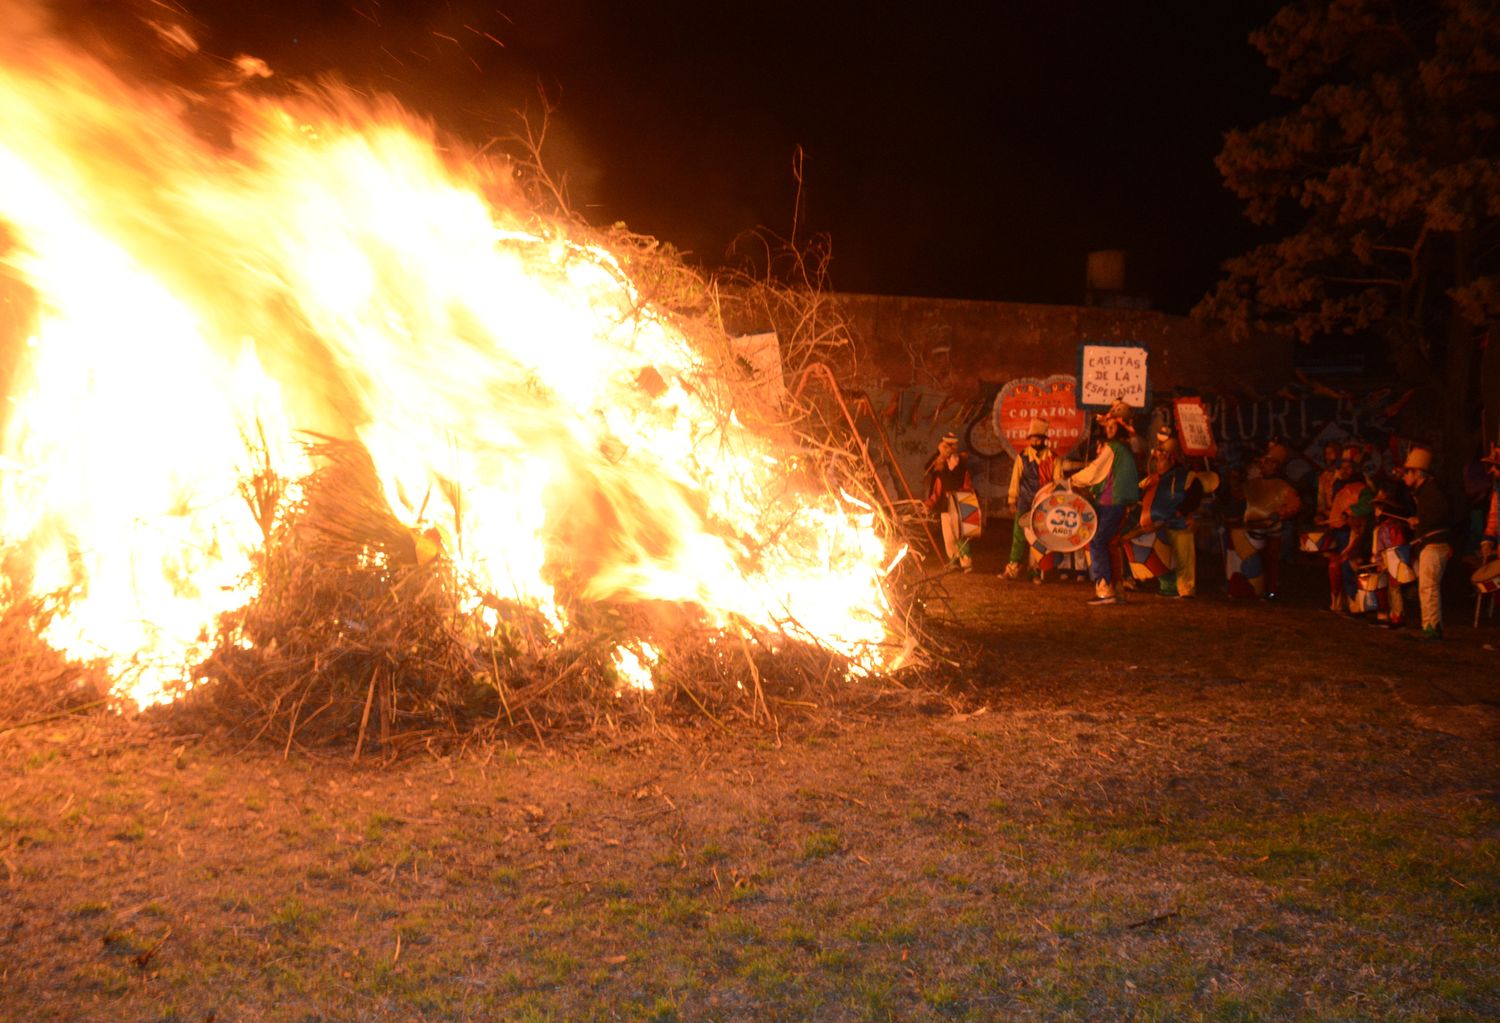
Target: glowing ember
331, 271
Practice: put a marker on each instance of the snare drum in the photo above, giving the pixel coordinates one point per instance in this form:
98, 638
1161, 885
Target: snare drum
1486, 577
1372, 578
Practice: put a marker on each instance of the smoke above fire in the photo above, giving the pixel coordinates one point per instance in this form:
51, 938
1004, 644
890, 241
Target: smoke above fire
182, 303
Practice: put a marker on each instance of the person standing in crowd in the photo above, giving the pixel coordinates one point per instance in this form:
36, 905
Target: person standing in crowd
1034, 468
1173, 494
1489, 535
946, 474
1116, 480
1430, 528
1274, 521
1349, 518
1390, 548
1326, 480
1158, 460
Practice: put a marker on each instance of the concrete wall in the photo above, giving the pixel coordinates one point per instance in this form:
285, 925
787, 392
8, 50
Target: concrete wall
959, 346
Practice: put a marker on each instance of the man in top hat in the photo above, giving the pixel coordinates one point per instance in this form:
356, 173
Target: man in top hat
1116, 480
946, 474
1034, 468
1430, 529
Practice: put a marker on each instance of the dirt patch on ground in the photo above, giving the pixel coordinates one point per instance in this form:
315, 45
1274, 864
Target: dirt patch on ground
1169, 810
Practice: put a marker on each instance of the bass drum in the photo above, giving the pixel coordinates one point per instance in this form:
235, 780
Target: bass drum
1061, 521
970, 514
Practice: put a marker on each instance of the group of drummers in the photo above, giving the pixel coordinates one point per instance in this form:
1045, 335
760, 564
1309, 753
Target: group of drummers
1129, 518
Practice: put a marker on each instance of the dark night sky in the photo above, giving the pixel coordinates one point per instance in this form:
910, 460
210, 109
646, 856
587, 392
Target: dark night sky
969, 155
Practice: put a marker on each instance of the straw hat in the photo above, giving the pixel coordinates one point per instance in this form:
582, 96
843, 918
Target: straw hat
1419, 459
1038, 428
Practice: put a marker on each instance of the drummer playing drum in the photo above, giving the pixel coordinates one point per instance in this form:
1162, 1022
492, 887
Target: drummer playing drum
1113, 472
947, 473
1431, 527
1349, 521
1270, 521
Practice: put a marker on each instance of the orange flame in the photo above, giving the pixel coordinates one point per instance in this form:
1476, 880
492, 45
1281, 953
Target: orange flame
331, 271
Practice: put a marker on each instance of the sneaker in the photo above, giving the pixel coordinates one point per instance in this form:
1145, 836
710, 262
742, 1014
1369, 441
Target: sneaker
1101, 601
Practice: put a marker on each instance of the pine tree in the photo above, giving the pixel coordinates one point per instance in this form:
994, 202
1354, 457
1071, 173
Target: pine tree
1384, 172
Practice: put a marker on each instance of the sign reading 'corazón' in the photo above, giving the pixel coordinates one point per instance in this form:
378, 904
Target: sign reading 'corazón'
1053, 399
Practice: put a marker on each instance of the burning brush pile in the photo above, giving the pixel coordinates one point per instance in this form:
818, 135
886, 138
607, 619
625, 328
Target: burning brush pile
321, 425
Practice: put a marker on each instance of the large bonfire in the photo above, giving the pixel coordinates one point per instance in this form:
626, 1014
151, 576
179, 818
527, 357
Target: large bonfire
297, 393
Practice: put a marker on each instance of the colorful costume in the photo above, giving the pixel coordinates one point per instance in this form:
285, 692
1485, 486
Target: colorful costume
1169, 501
1034, 468
1113, 472
1350, 514
1327, 481
1431, 541
1489, 537
1273, 522
946, 474
1392, 554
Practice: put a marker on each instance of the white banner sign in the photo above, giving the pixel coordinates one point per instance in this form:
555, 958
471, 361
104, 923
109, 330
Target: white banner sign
1109, 372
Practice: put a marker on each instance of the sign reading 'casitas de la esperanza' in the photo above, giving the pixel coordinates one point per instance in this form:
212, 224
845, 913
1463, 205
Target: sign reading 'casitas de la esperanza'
1112, 371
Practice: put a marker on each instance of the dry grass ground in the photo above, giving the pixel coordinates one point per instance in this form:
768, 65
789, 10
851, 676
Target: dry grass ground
1171, 810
